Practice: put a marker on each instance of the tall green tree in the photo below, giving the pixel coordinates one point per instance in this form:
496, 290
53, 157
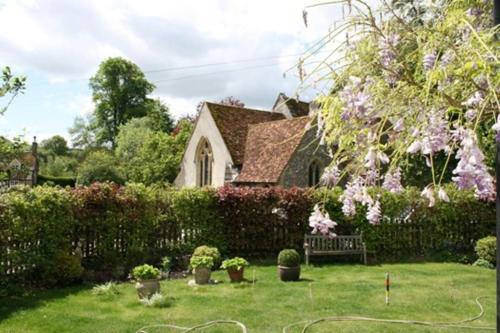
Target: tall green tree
84, 132
119, 90
55, 146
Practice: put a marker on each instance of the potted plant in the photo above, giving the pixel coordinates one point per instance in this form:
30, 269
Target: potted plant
148, 282
235, 268
289, 265
208, 251
201, 266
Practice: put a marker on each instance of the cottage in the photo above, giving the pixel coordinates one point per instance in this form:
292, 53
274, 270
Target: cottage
253, 147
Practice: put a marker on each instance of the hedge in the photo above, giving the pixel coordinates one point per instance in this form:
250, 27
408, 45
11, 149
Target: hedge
56, 181
111, 228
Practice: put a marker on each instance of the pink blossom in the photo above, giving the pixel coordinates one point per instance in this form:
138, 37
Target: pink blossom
373, 214
321, 223
442, 195
428, 193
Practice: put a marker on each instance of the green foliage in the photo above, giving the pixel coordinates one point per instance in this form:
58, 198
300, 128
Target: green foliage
145, 272
486, 249
43, 214
207, 251
157, 300
235, 263
99, 166
119, 90
107, 289
289, 258
63, 269
10, 84
59, 166
115, 228
201, 262
84, 132
483, 263
56, 181
55, 146
159, 118
166, 263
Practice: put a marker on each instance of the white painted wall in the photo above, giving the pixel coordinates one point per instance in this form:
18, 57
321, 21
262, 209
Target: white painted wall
205, 128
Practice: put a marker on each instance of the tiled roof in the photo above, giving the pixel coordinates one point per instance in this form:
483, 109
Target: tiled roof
233, 123
269, 148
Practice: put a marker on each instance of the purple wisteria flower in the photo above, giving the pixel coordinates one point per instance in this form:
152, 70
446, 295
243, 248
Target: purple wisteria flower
374, 213
321, 223
356, 99
447, 58
429, 61
471, 172
330, 176
355, 191
392, 181
434, 137
496, 128
474, 101
387, 46
474, 12
428, 193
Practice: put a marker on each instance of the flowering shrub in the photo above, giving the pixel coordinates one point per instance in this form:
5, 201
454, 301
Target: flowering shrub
406, 86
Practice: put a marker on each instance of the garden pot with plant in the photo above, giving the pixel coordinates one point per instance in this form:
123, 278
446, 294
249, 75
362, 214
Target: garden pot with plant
202, 266
208, 251
148, 280
235, 268
289, 265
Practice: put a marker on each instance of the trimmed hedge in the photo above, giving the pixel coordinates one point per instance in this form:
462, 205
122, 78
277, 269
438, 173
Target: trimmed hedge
56, 181
109, 229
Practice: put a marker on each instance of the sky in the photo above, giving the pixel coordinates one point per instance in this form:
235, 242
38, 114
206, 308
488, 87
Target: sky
191, 50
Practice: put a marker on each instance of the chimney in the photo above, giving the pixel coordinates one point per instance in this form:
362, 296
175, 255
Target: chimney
34, 170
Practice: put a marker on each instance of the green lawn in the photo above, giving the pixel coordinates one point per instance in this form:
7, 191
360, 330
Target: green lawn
430, 292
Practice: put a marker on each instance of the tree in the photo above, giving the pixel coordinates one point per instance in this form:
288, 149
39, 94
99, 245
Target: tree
156, 156
232, 101
119, 90
55, 146
99, 166
412, 86
159, 116
84, 132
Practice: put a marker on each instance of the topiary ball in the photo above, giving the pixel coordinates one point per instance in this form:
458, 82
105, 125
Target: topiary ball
289, 258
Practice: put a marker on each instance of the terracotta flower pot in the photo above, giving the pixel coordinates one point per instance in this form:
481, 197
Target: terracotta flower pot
201, 275
146, 288
289, 273
236, 275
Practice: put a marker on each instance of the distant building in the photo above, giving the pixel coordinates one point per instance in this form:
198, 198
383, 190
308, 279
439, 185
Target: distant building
252, 147
22, 169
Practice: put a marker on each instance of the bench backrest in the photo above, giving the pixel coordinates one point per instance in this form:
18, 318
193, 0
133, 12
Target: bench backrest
339, 243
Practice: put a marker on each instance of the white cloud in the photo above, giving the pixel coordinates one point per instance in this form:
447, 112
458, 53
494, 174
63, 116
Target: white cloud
66, 40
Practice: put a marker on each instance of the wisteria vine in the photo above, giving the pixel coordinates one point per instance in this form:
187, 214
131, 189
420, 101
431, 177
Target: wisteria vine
409, 85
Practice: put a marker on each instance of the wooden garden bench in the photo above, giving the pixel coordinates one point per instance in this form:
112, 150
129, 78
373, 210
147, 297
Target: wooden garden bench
320, 245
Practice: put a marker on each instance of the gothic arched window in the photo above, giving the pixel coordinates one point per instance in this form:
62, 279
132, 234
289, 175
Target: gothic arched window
314, 173
204, 159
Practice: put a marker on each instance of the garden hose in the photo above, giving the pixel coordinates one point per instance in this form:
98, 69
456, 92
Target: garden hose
453, 324
308, 324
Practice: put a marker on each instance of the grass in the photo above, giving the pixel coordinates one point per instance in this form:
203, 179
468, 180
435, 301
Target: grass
423, 291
